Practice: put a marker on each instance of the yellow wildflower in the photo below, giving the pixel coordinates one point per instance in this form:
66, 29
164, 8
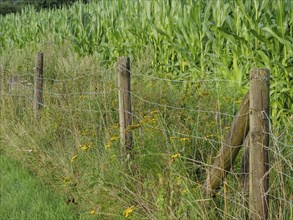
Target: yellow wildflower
92, 212
204, 93
115, 126
115, 138
154, 112
175, 156
83, 147
84, 133
128, 211
184, 139
209, 135
66, 180
154, 120
74, 158
184, 191
161, 180
172, 138
147, 117
178, 180
131, 127
238, 101
108, 145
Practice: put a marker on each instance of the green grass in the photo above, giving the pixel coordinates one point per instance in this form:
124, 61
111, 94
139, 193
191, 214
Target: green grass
86, 125
179, 101
24, 197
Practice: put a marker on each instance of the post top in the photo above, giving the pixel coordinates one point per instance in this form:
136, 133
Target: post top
123, 64
123, 59
260, 74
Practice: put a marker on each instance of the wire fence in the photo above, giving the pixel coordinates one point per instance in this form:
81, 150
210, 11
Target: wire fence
187, 118
54, 92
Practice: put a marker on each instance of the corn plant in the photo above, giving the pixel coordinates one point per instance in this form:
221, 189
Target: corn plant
191, 39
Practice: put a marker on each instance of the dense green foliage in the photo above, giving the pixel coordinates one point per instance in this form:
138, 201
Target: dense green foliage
191, 39
178, 131
7, 8
189, 62
14, 6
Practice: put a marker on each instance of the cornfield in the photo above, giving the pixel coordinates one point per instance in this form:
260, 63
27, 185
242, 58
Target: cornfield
190, 39
190, 65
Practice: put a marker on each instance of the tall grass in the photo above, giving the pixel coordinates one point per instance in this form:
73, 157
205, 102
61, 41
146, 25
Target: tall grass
190, 61
75, 148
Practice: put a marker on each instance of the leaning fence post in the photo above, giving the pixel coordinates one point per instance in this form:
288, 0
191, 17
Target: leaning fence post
125, 114
38, 84
229, 149
259, 143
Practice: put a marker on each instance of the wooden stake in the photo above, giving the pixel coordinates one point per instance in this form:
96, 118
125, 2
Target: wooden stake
259, 143
229, 149
125, 114
38, 84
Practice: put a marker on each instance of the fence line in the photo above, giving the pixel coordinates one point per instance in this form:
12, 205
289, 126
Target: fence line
100, 107
185, 81
79, 93
179, 108
174, 80
203, 138
145, 101
76, 78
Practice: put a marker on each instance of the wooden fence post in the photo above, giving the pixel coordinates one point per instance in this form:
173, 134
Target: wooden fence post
259, 143
125, 114
229, 148
38, 84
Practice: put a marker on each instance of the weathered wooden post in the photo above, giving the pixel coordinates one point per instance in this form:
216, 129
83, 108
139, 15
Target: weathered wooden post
125, 114
38, 84
259, 143
229, 149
